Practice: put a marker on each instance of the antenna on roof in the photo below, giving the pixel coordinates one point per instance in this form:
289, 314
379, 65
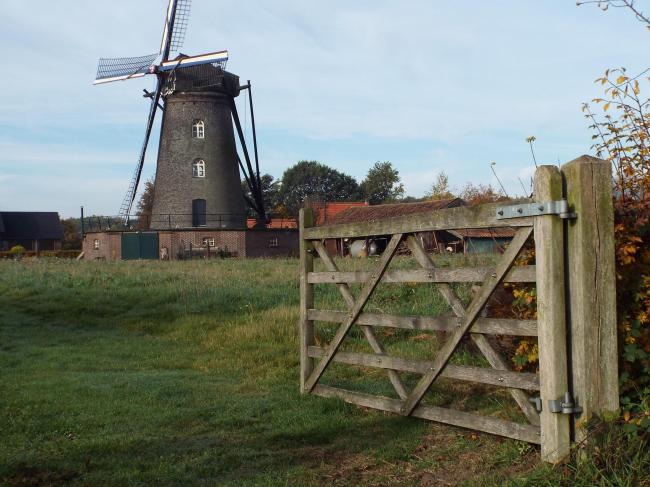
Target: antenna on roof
492, 164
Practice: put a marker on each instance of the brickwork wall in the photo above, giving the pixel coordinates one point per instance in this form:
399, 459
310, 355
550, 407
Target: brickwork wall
110, 246
174, 243
272, 243
175, 186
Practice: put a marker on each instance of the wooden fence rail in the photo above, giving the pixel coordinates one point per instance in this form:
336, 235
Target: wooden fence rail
586, 243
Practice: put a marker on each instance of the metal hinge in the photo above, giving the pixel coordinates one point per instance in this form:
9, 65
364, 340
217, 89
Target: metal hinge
558, 207
567, 405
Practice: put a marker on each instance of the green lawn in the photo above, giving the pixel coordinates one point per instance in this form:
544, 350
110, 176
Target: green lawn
186, 373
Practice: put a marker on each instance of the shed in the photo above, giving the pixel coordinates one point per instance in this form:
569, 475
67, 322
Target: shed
484, 240
433, 241
34, 230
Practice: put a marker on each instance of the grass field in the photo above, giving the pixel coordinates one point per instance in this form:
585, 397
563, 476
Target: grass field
186, 373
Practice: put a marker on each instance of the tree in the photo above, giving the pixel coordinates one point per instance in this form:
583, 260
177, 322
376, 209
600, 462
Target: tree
71, 234
480, 194
440, 188
145, 205
316, 181
382, 184
270, 192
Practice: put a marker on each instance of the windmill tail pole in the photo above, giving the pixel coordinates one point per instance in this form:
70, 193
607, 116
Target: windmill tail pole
257, 161
255, 183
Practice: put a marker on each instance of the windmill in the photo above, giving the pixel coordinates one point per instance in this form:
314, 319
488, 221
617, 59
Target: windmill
197, 173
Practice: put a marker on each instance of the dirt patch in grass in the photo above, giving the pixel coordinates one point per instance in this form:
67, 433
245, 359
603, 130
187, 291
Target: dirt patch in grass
447, 456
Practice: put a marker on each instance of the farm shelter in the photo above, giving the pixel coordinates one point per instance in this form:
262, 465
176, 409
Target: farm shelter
189, 243
34, 230
484, 240
436, 241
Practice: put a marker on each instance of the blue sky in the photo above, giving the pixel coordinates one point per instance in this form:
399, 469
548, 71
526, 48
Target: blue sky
429, 85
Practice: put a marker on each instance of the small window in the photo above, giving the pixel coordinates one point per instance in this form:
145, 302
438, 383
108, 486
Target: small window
96, 244
273, 242
208, 241
198, 168
198, 129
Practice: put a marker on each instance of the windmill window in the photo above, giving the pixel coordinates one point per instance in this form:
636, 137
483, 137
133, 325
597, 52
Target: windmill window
96, 244
198, 129
273, 242
198, 168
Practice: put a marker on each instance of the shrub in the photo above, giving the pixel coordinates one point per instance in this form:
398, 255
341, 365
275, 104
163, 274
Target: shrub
17, 250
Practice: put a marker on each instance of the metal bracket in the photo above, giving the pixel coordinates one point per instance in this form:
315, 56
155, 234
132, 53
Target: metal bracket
537, 402
558, 207
567, 405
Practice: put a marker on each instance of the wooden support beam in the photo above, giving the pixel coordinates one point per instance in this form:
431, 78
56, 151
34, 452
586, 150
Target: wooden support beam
367, 330
482, 375
487, 424
483, 216
306, 220
523, 274
491, 326
470, 316
591, 288
361, 301
549, 256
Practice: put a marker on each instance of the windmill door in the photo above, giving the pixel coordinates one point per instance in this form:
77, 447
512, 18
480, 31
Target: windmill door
139, 245
198, 213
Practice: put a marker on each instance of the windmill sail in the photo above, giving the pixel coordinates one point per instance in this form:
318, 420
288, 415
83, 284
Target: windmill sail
121, 68
178, 14
129, 197
181, 18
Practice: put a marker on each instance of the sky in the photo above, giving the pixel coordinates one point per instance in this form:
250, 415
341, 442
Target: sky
429, 85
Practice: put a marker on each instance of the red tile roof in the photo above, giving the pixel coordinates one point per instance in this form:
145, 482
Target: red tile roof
275, 223
380, 212
326, 212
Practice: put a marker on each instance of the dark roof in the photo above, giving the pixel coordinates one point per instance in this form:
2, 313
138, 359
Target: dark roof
379, 212
505, 232
34, 225
2, 225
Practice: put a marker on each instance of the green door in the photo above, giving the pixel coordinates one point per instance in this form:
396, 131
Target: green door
139, 245
149, 245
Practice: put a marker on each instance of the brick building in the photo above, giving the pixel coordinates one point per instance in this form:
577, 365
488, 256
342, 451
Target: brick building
189, 243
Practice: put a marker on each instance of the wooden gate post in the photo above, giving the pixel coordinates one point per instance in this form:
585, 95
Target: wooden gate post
591, 288
549, 261
306, 220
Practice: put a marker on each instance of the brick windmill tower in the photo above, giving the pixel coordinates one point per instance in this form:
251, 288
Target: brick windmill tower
197, 175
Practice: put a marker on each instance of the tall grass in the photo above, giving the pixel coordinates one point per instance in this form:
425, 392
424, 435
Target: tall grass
186, 373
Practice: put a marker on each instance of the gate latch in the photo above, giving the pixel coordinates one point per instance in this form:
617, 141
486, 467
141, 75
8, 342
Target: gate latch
558, 207
567, 405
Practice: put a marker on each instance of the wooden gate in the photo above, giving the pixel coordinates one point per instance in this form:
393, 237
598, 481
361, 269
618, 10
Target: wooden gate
549, 427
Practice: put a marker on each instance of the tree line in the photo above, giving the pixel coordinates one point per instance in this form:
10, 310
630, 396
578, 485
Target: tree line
382, 184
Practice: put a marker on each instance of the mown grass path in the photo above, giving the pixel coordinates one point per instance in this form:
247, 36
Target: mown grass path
186, 373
